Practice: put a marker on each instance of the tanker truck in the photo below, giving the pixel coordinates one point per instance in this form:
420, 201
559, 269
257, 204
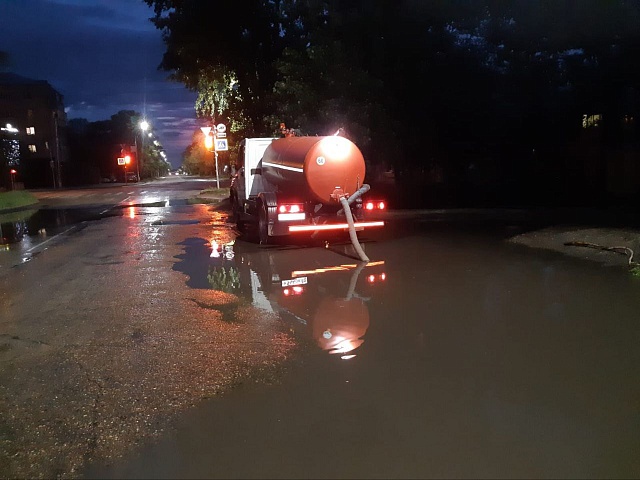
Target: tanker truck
290, 185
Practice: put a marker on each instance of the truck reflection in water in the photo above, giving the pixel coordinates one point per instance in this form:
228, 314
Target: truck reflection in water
319, 292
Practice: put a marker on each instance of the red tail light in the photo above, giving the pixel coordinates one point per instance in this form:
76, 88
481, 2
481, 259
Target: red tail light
375, 278
290, 208
297, 290
375, 205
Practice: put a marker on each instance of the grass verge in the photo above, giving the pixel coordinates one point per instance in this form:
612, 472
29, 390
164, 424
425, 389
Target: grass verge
16, 199
215, 191
16, 216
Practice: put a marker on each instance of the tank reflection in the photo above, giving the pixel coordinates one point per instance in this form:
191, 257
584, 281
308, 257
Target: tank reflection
315, 291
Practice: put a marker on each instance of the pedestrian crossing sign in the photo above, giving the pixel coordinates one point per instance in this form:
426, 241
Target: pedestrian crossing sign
221, 145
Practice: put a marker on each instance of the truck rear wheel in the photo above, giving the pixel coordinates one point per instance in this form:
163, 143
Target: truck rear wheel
263, 225
235, 209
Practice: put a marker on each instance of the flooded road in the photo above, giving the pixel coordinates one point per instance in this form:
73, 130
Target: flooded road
453, 354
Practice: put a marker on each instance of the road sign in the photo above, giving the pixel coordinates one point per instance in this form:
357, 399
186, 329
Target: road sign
221, 128
205, 130
120, 160
221, 145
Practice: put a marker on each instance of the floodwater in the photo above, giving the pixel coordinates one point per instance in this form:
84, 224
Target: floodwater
16, 226
452, 354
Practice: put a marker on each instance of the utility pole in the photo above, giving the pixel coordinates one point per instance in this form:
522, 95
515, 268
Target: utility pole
57, 176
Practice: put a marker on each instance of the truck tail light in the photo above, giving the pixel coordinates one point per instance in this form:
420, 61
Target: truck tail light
377, 278
375, 205
290, 208
297, 290
289, 212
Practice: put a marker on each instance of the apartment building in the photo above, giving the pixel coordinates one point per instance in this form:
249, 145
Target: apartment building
35, 112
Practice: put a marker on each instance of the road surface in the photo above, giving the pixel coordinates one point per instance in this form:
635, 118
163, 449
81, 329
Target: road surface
158, 343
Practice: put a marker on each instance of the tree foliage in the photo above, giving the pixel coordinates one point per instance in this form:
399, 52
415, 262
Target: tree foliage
4, 60
439, 90
95, 146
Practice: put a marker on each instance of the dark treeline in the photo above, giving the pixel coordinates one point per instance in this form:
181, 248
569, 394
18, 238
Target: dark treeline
468, 101
95, 146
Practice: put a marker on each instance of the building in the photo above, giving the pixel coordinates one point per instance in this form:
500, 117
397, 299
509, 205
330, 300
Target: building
36, 110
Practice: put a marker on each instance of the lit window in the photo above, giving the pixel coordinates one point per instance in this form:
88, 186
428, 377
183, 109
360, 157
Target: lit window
32, 148
589, 121
31, 130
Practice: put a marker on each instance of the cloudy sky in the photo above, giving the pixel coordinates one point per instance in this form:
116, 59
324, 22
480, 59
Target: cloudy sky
102, 55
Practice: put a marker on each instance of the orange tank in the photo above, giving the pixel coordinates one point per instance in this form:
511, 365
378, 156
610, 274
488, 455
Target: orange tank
313, 167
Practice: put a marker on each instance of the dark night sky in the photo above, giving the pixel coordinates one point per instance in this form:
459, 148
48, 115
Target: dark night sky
102, 55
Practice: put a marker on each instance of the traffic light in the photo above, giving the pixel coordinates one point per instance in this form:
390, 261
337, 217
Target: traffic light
127, 159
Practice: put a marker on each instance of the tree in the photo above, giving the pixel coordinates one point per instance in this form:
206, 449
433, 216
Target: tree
455, 86
4, 60
95, 146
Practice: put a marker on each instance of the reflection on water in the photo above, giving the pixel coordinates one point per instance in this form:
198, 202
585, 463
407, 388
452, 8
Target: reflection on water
14, 226
316, 291
18, 226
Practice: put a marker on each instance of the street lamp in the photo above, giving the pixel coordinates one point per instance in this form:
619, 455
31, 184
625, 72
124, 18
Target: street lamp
9, 153
13, 172
210, 138
144, 126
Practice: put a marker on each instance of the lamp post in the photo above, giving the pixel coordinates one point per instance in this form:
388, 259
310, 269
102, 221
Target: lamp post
144, 126
13, 172
211, 138
9, 152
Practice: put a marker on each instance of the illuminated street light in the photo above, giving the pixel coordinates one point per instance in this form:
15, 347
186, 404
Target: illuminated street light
11, 153
208, 142
13, 172
144, 126
210, 136
9, 129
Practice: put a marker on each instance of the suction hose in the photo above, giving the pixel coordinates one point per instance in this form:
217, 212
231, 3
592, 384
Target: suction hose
352, 229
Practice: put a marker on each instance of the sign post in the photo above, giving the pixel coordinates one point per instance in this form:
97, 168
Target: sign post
220, 145
216, 137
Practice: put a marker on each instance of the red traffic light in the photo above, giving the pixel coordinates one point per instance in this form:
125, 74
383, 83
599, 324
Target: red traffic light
127, 159
13, 171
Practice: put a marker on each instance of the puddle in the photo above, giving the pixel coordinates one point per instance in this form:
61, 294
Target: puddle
321, 293
14, 227
175, 222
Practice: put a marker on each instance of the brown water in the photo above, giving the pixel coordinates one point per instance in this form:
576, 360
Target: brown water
473, 358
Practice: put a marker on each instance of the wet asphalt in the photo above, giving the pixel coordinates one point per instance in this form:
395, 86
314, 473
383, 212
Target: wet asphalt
453, 354
160, 343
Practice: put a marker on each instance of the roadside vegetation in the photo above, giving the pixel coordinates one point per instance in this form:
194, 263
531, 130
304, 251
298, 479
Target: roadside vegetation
468, 103
16, 199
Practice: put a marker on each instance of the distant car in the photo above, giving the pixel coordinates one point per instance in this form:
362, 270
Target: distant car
132, 177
